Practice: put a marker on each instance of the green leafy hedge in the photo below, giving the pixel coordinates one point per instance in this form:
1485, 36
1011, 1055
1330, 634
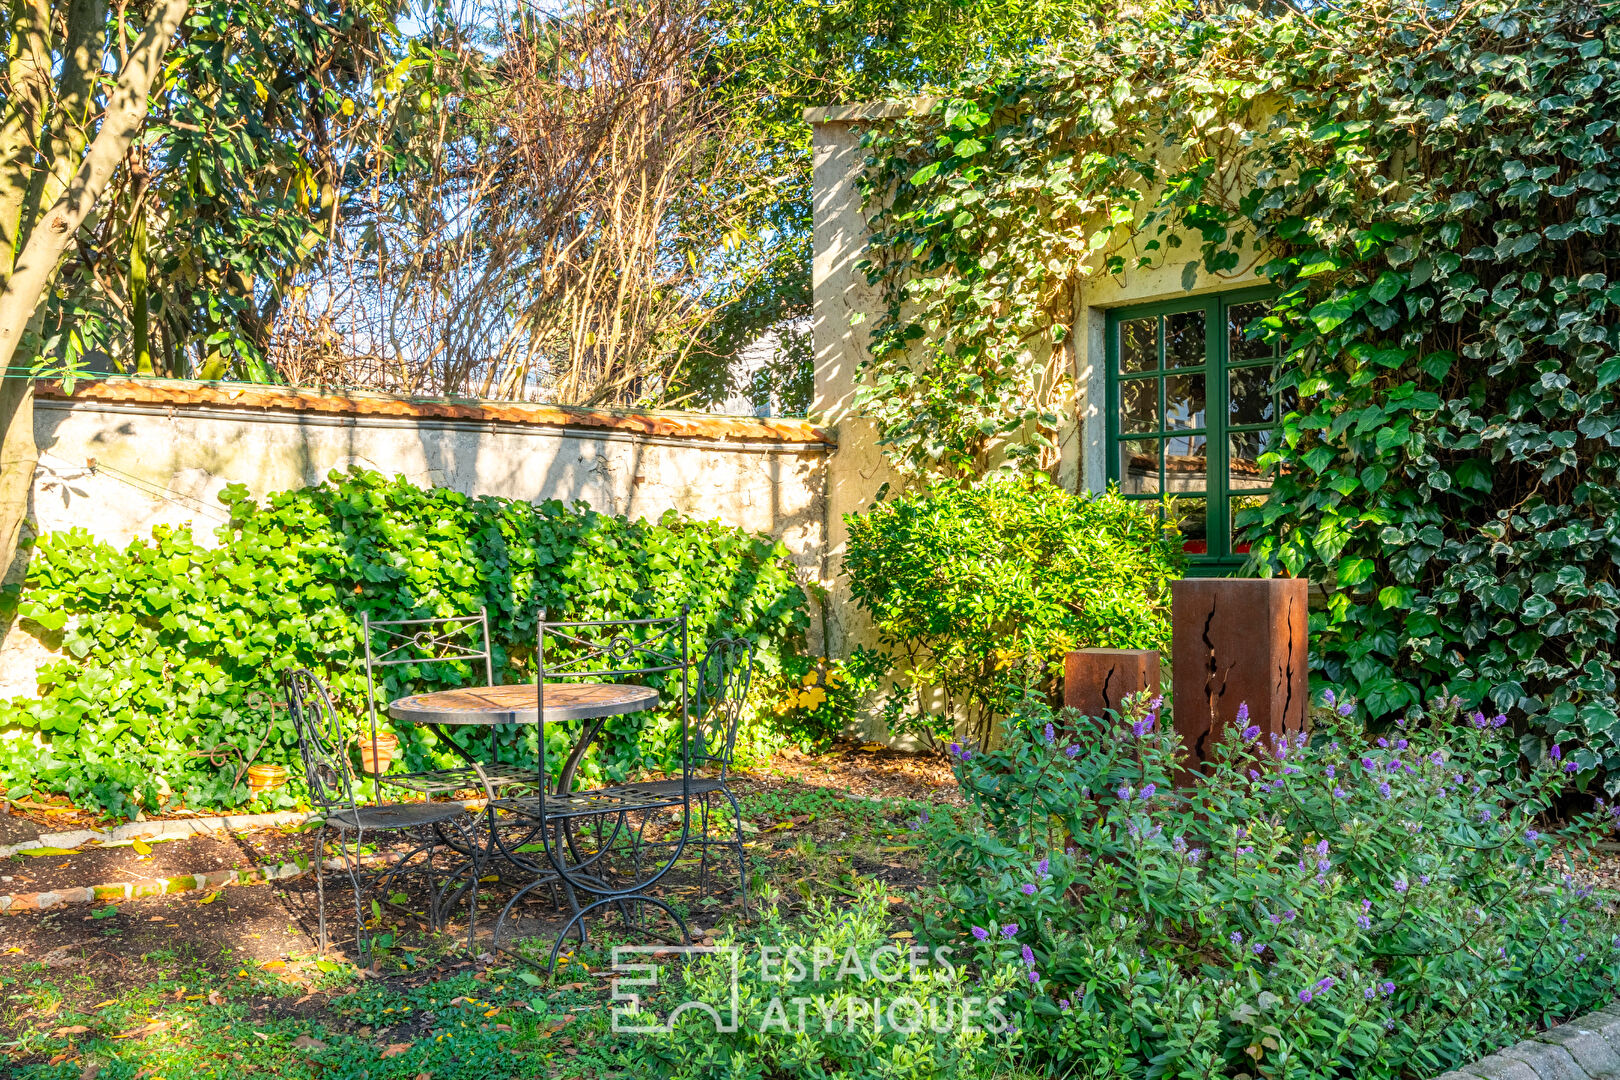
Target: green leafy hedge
172, 651
1437, 203
965, 583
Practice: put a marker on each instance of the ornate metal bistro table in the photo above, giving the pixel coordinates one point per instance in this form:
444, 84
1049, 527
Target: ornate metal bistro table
497, 706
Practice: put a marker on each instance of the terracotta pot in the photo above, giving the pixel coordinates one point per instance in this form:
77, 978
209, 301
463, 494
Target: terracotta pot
263, 778
374, 757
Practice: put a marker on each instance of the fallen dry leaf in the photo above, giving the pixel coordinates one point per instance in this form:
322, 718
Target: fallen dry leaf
76, 1029
394, 1049
90, 1072
215, 997
144, 1029
64, 1056
305, 1042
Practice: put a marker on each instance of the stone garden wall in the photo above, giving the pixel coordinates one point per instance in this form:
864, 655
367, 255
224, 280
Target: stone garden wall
119, 457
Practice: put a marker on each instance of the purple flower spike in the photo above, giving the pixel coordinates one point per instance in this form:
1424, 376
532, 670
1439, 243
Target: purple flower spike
955, 750
1556, 752
1498, 720
1010, 930
1383, 789
981, 933
1401, 744
1147, 792
1237, 937
1327, 698
1531, 836
1570, 766
1073, 751
1251, 733
1243, 713
1304, 997
1044, 868
1034, 976
1347, 708
1124, 793
1383, 743
1258, 948
1049, 734
1028, 888
1029, 956
1331, 772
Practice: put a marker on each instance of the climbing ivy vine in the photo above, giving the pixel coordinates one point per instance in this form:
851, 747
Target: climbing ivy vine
1434, 193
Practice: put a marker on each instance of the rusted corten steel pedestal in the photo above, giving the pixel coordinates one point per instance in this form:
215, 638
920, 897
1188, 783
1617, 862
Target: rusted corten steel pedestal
1236, 641
1096, 680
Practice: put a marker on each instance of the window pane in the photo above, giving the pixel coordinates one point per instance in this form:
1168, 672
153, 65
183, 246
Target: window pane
1139, 405
1186, 463
1250, 401
1243, 460
1139, 467
1191, 516
1183, 402
1139, 345
1287, 401
1184, 339
1238, 347
1241, 503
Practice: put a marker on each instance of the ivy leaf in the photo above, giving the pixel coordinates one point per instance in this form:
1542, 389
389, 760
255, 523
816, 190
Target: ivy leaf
1331, 313
1353, 572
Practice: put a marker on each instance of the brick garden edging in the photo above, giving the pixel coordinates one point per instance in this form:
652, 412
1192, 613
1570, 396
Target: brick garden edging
1586, 1048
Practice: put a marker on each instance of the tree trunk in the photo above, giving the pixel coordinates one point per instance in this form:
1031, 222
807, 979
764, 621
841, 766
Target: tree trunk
41, 254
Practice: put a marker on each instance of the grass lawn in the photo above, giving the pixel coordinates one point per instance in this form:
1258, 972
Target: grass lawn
168, 988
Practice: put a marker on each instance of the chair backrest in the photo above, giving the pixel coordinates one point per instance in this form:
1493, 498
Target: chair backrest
421, 642
613, 650
320, 740
720, 690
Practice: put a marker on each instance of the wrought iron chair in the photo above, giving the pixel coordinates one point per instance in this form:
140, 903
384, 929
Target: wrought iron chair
459, 642
719, 693
331, 780
594, 841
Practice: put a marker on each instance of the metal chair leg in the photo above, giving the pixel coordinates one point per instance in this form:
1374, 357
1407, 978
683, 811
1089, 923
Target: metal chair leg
320, 885
737, 841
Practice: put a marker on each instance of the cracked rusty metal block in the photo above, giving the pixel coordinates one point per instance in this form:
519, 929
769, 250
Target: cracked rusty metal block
1236, 641
1096, 680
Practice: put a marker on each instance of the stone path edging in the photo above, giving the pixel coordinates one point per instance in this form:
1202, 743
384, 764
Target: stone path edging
161, 830
217, 879
1586, 1048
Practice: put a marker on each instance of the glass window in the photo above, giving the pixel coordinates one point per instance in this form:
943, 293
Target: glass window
1194, 411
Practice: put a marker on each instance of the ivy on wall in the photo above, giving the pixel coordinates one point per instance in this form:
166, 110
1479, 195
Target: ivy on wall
173, 652
1435, 196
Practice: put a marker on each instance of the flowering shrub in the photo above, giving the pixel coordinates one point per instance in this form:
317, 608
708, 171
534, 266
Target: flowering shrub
1318, 906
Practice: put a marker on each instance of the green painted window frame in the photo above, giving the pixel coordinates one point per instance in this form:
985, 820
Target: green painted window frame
1219, 558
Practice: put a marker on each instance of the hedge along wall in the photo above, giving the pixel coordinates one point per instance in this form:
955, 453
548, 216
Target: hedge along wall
1437, 203
172, 652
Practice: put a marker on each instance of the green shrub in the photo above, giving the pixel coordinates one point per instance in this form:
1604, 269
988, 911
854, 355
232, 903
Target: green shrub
173, 651
1306, 909
964, 583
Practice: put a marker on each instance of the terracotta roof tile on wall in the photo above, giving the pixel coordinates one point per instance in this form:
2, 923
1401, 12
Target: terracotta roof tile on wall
181, 393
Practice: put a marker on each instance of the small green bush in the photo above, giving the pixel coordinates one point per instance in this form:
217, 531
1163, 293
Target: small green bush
966, 582
1320, 908
173, 651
